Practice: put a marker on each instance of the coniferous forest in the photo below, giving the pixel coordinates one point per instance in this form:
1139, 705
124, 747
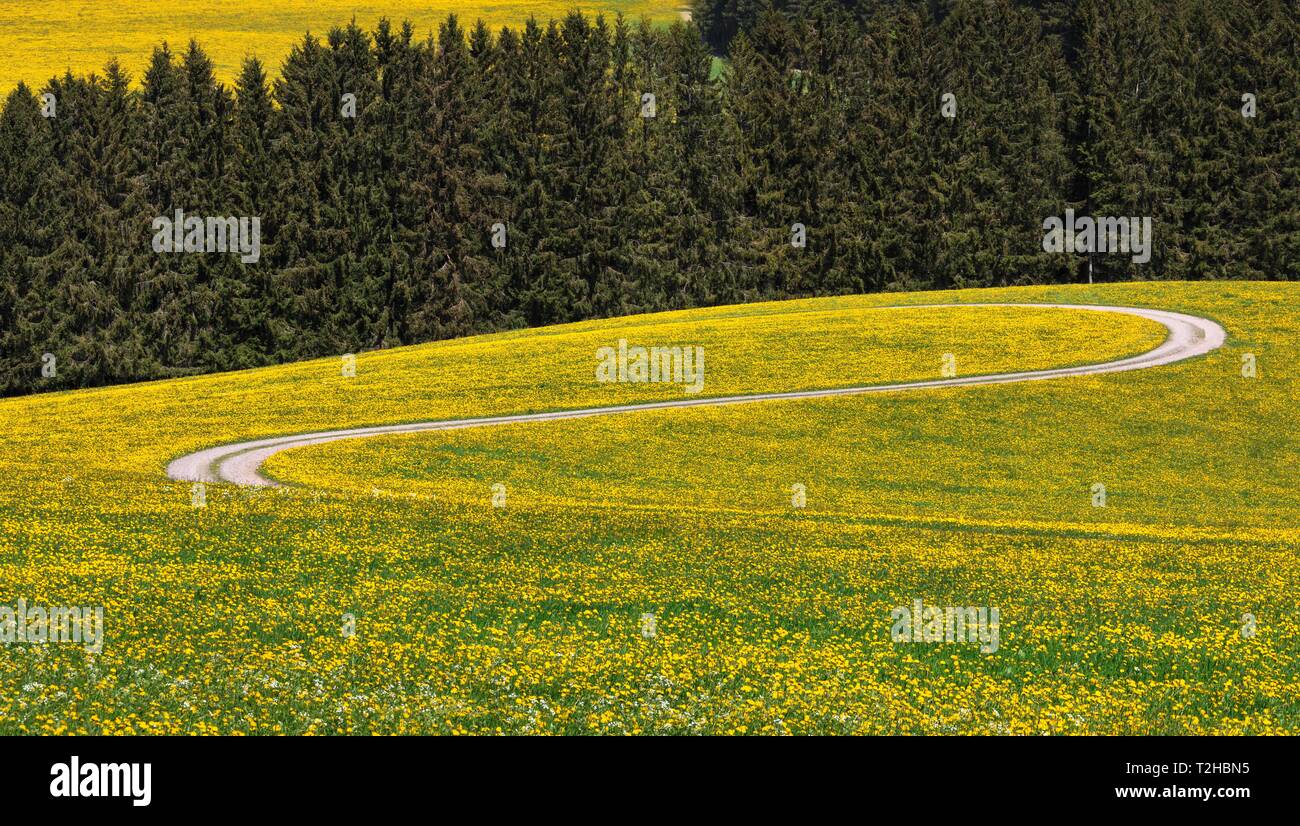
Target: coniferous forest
486, 180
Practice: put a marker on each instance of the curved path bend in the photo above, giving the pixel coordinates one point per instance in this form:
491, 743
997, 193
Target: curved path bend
1189, 336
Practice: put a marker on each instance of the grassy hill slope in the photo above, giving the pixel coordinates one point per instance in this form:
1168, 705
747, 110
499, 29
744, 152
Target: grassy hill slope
1122, 619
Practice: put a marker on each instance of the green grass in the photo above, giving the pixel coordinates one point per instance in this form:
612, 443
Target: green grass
1125, 619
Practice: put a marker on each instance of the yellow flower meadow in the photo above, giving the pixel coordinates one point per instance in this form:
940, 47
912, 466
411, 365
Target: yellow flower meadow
381, 591
45, 38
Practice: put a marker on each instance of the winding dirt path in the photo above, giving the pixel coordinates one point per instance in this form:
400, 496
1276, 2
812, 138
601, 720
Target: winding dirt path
1189, 336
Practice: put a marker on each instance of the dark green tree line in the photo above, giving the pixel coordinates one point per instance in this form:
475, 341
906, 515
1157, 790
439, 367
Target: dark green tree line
412, 188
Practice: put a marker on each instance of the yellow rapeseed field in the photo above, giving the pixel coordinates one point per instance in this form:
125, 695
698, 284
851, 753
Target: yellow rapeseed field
46, 38
1171, 609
